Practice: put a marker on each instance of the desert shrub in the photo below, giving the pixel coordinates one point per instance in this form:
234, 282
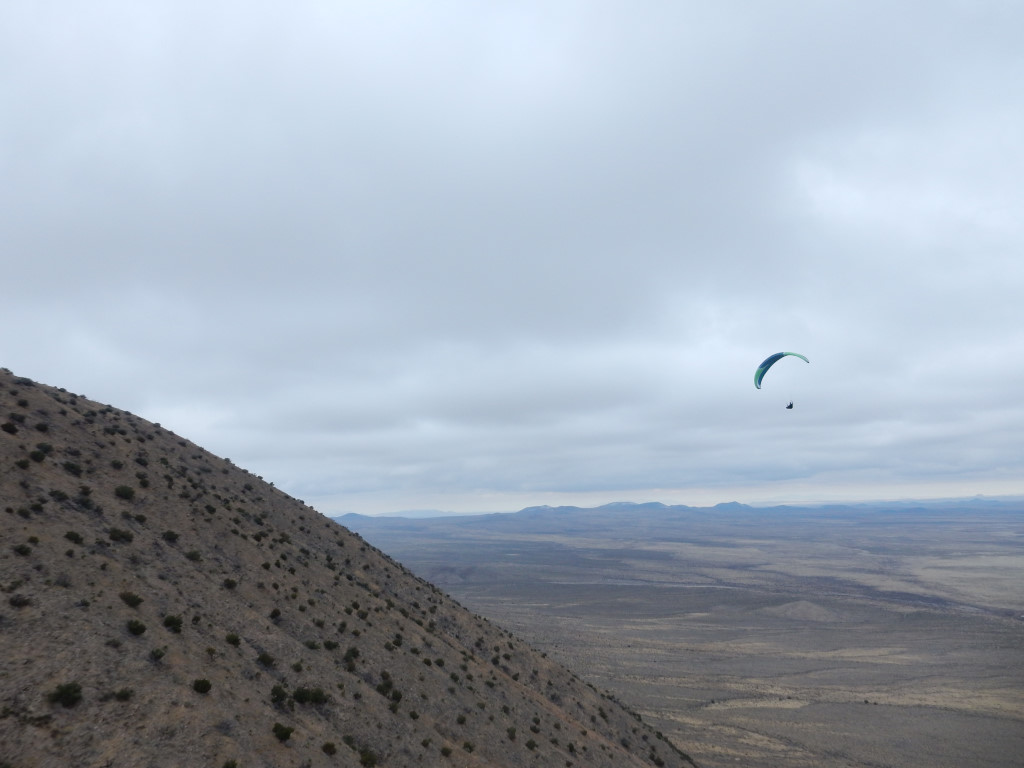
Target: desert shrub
330, 645
9, 427
22, 549
173, 623
232, 639
201, 686
266, 660
446, 751
136, 627
72, 468
230, 583
74, 537
67, 694
329, 748
120, 536
367, 757
193, 555
282, 732
304, 695
20, 601
123, 694
125, 492
131, 599
169, 536
156, 654
278, 694
531, 744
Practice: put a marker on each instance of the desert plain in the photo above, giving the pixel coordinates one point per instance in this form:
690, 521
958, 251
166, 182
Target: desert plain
860, 636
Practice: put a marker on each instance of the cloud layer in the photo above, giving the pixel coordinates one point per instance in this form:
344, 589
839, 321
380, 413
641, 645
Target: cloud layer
474, 257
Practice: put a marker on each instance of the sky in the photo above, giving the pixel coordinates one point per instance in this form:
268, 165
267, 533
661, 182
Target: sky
476, 256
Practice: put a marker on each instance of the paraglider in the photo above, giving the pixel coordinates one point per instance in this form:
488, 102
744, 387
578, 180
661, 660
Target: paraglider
762, 369
771, 360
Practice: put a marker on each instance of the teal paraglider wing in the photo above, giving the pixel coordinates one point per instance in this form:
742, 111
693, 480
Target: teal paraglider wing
771, 360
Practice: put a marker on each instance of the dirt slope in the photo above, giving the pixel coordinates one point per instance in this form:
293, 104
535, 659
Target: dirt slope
162, 607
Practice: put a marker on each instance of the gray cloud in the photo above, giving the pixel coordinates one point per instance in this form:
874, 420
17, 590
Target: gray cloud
468, 256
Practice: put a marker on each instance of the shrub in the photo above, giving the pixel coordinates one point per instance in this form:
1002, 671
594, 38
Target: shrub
278, 694
230, 583
193, 555
169, 536
136, 627
125, 492
131, 599
233, 639
367, 757
201, 686
310, 696
75, 538
265, 659
329, 748
22, 549
173, 623
283, 732
67, 695
120, 536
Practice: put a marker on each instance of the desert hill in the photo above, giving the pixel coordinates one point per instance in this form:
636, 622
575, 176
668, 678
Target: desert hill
163, 607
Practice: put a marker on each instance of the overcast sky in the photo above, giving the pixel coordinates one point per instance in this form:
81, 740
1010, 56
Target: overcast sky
476, 256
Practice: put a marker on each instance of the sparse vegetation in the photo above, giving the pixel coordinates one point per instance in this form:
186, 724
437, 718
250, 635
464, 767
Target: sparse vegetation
136, 627
66, 694
121, 536
123, 573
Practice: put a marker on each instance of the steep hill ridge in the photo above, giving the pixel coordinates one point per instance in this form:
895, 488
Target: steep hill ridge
163, 607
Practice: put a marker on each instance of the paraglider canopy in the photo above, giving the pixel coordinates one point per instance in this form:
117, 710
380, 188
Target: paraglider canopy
762, 369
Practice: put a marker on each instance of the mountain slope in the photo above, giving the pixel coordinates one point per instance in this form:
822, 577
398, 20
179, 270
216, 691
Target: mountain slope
162, 607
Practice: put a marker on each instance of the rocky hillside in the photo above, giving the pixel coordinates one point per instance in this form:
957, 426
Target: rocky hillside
163, 607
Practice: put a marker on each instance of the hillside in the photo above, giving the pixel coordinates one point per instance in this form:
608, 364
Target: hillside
163, 607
